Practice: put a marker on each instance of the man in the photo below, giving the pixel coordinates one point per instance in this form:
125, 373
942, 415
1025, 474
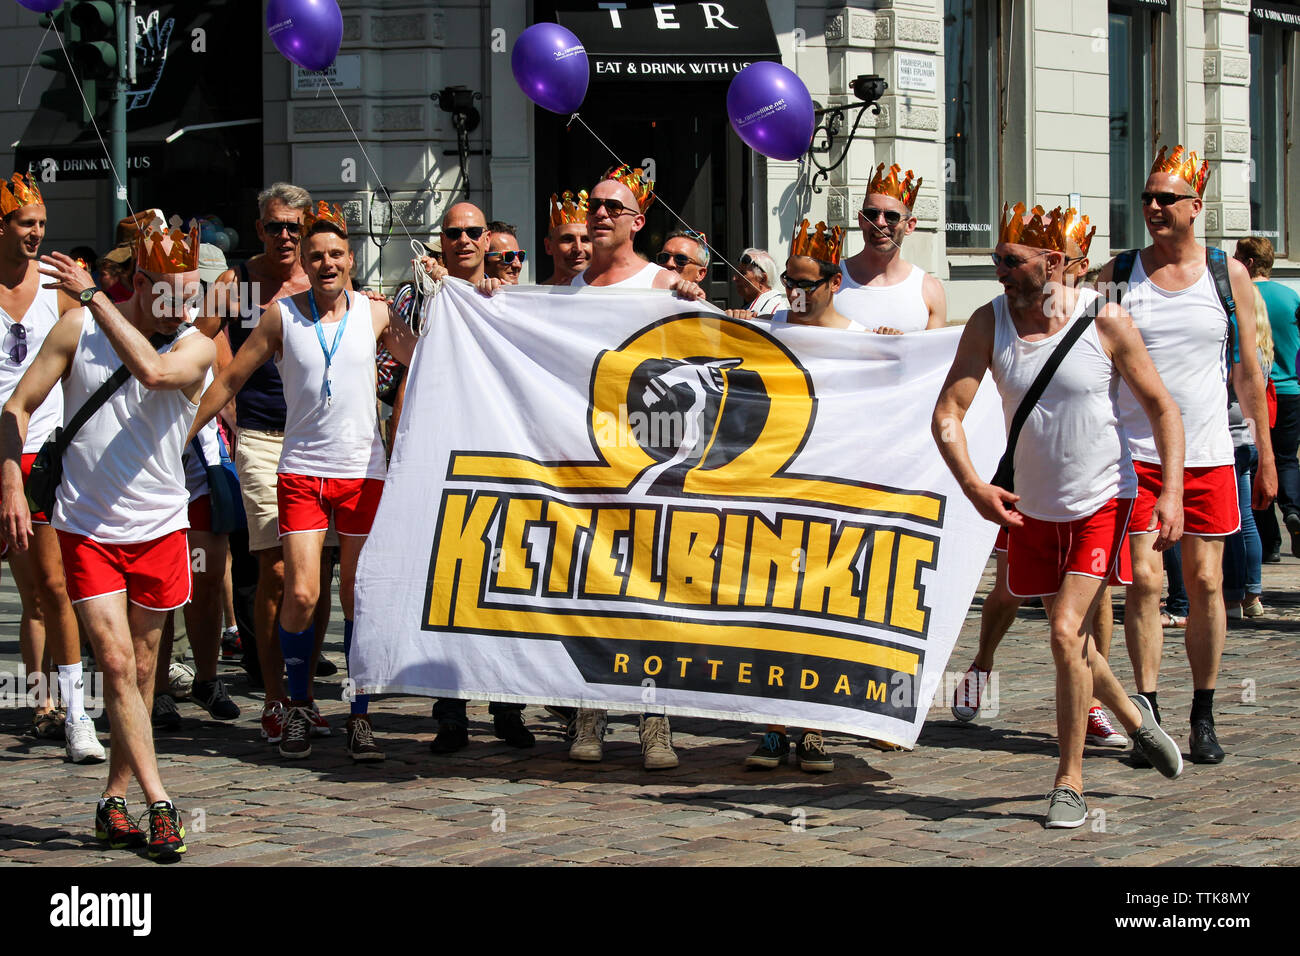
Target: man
1171, 291
567, 242
238, 300
686, 252
48, 630
120, 511
1074, 482
504, 259
332, 463
999, 610
880, 287
756, 283
1283, 305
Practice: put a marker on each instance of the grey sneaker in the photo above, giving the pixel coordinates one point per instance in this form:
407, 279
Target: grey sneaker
589, 741
1066, 809
657, 743
1156, 745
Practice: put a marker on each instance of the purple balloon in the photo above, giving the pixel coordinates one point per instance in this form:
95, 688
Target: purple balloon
550, 66
307, 32
771, 110
41, 6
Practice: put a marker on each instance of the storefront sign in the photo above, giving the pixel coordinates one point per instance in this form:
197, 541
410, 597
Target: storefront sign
917, 73
1278, 14
343, 74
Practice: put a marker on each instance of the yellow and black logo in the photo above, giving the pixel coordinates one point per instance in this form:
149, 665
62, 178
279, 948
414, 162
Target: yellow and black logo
688, 548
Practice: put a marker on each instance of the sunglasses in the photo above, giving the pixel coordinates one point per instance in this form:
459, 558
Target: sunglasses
892, 216
612, 206
1012, 262
274, 227
1164, 199
18, 354
509, 256
680, 260
806, 285
475, 233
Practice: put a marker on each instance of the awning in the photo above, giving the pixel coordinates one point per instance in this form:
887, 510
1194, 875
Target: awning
670, 41
1286, 15
1155, 6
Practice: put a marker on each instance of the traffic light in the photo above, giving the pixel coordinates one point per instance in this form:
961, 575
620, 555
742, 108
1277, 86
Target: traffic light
89, 29
95, 50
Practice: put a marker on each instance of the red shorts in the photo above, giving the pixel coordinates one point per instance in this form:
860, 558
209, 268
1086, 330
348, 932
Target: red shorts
1000, 542
306, 504
38, 517
1209, 499
201, 513
154, 574
1041, 553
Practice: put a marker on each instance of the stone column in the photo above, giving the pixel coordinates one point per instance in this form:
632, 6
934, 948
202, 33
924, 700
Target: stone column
1225, 67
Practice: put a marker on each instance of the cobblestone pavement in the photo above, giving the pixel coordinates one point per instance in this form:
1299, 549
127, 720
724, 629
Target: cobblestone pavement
967, 794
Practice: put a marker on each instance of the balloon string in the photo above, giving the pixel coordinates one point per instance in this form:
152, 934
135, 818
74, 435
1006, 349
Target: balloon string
31, 66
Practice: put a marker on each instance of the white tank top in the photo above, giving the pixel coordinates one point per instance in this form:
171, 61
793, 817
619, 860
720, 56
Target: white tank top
123, 481
901, 306
41, 316
1071, 457
337, 439
196, 475
783, 318
1186, 333
645, 279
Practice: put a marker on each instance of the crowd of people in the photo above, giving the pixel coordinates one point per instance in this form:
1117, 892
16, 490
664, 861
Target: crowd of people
161, 364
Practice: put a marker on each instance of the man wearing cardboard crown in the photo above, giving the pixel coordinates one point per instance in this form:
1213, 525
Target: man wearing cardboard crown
880, 287
121, 508
1074, 482
567, 243
49, 626
1182, 295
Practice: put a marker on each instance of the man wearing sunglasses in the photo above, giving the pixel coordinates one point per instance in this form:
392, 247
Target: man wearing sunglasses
880, 287
1177, 305
686, 253
504, 259
48, 631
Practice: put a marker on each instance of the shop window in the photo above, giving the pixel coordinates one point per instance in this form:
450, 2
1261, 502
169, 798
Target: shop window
971, 171
1132, 55
1268, 78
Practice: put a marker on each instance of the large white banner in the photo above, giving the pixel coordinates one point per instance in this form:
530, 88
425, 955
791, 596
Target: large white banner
624, 500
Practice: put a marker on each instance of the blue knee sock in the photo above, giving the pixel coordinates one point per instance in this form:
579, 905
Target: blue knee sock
297, 649
361, 702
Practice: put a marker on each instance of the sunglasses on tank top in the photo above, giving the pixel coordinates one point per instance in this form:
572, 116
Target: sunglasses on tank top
18, 354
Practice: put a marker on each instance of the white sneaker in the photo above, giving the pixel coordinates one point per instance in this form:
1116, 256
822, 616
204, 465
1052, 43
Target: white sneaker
180, 680
589, 744
657, 743
966, 697
81, 741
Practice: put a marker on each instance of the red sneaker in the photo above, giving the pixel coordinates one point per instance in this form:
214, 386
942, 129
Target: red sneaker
1100, 731
320, 727
273, 718
966, 698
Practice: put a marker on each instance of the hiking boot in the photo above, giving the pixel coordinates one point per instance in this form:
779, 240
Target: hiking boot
273, 717
451, 737
589, 739
114, 826
657, 743
166, 832
296, 742
361, 739
812, 754
966, 697
320, 727
510, 728
1158, 747
769, 754
1204, 745
165, 715
1101, 733
81, 742
1066, 809
211, 696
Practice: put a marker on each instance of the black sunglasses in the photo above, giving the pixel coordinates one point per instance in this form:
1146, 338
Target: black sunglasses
806, 285
1012, 262
612, 206
508, 256
1164, 199
274, 227
18, 354
475, 233
892, 216
682, 261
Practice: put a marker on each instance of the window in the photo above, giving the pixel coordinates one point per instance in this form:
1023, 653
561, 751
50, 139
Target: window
971, 88
1268, 68
1131, 147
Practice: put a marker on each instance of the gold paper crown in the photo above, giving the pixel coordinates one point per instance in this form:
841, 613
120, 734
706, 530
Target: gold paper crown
1196, 178
1042, 231
159, 252
824, 245
633, 179
569, 210
904, 191
18, 192
324, 213
1076, 228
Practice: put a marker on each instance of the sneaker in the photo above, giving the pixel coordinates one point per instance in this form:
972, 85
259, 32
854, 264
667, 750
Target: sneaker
320, 727
589, 738
231, 646
1204, 744
812, 754
81, 741
211, 696
769, 754
1234, 612
656, 743
273, 718
1066, 809
1253, 609
1158, 747
569, 716
165, 715
114, 826
510, 728
296, 742
180, 680
361, 739
166, 832
1100, 731
966, 698
451, 737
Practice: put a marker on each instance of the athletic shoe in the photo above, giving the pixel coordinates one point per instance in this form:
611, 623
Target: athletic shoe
656, 743
212, 697
966, 698
1100, 731
1234, 612
320, 727
451, 737
510, 728
569, 717
166, 832
296, 742
1253, 609
114, 826
273, 719
361, 739
81, 741
812, 754
1204, 744
165, 715
1066, 809
589, 740
231, 646
1158, 747
180, 680
769, 754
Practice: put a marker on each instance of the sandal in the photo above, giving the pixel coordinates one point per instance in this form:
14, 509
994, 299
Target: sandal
49, 725
1172, 620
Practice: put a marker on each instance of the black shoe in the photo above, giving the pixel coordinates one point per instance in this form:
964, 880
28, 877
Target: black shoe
165, 715
212, 697
232, 647
510, 728
451, 737
1204, 745
326, 667
812, 754
114, 826
166, 832
1292, 522
1274, 556
774, 749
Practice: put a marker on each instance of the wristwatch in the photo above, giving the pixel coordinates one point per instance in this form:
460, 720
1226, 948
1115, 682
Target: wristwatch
85, 295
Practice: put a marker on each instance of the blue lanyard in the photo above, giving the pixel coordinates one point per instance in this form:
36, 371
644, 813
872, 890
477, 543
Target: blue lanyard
338, 337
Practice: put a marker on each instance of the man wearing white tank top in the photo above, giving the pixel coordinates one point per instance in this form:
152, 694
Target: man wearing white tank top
1174, 301
120, 510
332, 465
1074, 482
48, 629
880, 287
